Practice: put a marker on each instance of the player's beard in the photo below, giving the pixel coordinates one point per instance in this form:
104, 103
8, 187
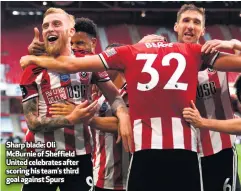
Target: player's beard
60, 44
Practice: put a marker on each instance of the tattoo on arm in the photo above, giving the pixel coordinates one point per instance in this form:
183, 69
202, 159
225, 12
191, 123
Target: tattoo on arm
41, 124
118, 104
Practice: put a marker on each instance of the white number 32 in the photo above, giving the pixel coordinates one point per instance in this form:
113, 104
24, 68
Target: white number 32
172, 84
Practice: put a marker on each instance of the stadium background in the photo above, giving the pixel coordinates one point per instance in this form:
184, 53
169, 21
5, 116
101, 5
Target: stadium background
123, 21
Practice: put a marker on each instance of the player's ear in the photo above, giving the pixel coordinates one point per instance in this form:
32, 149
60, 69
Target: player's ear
203, 31
175, 27
94, 41
72, 32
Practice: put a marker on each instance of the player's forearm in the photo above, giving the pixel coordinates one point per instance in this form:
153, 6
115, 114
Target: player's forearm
228, 63
68, 64
119, 108
41, 124
231, 126
46, 124
52, 63
106, 124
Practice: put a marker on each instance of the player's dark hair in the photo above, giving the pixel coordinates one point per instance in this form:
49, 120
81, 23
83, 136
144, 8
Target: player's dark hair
115, 44
86, 25
191, 7
237, 85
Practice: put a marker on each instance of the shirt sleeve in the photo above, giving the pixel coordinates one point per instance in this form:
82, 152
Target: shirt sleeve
208, 60
114, 58
204, 60
100, 77
28, 85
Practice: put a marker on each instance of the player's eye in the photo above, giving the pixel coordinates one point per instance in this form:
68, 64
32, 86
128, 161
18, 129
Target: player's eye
57, 23
197, 22
186, 20
80, 43
45, 26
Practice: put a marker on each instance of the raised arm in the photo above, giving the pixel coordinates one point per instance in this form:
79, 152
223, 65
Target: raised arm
65, 64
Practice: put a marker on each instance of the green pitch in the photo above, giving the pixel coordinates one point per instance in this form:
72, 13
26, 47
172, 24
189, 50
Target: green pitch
17, 187
239, 160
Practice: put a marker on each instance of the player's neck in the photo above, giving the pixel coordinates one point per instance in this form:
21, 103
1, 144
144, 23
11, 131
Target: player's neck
66, 51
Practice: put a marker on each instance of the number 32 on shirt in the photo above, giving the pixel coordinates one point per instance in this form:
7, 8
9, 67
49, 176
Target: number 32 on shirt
172, 83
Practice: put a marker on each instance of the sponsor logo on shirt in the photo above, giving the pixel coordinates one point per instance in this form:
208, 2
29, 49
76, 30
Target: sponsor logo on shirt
55, 95
110, 52
76, 92
64, 77
206, 90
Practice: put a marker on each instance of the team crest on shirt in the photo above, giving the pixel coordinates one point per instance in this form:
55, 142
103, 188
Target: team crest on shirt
64, 77
84, 76
210, 70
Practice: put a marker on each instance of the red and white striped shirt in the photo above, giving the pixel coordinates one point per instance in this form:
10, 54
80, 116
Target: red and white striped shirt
213, 102
50, 88
162, 80
110, 161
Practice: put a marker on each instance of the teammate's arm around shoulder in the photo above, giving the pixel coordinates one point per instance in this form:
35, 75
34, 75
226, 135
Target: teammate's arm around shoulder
65, 64
223, 61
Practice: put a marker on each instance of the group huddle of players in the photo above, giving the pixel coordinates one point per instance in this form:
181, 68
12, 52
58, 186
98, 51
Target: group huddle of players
152, 91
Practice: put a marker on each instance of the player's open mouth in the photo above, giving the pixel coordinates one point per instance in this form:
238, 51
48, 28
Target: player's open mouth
188, 34
52, 38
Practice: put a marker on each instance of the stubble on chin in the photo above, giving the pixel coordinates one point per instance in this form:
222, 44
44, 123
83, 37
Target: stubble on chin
55, 49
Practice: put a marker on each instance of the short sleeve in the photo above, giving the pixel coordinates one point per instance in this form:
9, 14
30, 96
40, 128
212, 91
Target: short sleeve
28, 85
204, 60
209, 59
100, 77
123, 90
114, 58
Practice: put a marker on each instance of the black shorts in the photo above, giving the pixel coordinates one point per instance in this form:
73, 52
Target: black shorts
82, 181
167, 170
219, 171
